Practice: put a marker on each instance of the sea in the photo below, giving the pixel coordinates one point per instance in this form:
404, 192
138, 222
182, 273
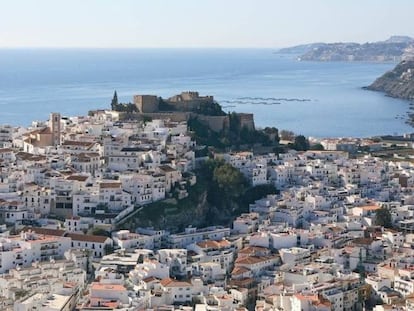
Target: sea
316, 99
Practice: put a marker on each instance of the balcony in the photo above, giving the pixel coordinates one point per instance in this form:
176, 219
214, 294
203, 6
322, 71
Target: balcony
47, 246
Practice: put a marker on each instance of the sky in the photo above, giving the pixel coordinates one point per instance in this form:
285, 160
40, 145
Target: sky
199, 23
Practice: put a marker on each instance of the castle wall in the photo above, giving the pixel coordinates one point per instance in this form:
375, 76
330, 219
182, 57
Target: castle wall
216, 123
184, 103
189, 96
188, 105
146, 103
246, 120
189, 101
173, 116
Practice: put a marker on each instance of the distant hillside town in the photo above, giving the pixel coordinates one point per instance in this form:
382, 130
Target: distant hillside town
394, 49
132, 208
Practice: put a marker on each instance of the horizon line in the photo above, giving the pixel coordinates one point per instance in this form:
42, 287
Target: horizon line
133, 47
20, 47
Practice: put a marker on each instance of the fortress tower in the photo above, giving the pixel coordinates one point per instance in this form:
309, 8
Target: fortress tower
146, 103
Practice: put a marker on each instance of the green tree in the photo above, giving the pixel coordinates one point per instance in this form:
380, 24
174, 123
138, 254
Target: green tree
273, 134
114, 102
206, 171
383, 218
224, 184
229, 180
253, 194
203, 134
317, 147
287, 135
301, 143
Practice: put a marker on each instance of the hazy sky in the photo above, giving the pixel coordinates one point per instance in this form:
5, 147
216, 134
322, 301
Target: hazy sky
199, 23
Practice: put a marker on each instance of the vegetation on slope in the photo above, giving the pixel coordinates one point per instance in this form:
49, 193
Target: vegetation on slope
234, 136
220, 194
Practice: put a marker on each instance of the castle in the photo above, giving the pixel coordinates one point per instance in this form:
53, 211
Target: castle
186, 101
185, 105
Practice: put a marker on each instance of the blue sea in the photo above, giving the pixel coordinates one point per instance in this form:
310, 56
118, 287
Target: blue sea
320, 99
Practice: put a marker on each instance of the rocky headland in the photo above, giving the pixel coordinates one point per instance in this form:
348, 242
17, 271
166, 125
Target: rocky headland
398, 82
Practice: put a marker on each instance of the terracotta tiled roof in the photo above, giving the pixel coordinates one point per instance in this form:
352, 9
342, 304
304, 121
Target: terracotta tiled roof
77, 143
306, 297
73, 236
55, 232
168, 282
29, 156
251, 260
372, 207
87, 237
365, 241
239, 270
166, 168
77, 177
45, 130
253, 249
213, 244
109, 287
150, 279
110, 185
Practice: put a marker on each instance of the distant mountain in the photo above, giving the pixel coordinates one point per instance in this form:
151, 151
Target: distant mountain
394, 49
398, 82
399, 39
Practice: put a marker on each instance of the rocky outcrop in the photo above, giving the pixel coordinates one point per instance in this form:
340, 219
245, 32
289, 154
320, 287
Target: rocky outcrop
398, 82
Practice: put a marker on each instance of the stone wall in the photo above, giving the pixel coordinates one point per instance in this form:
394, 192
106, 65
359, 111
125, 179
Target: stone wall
216, 123
246, 120
146, 103
184, 105
173, 116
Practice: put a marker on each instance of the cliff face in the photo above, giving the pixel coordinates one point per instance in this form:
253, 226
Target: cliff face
398, 82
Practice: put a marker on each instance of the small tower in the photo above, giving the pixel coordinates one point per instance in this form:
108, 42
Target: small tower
54, 124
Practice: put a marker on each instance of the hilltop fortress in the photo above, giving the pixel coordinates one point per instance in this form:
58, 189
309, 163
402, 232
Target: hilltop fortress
187, 105
186, 101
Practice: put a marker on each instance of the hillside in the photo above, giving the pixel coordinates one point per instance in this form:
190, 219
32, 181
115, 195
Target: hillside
301, 49
398, 82
220, 194
396, 48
